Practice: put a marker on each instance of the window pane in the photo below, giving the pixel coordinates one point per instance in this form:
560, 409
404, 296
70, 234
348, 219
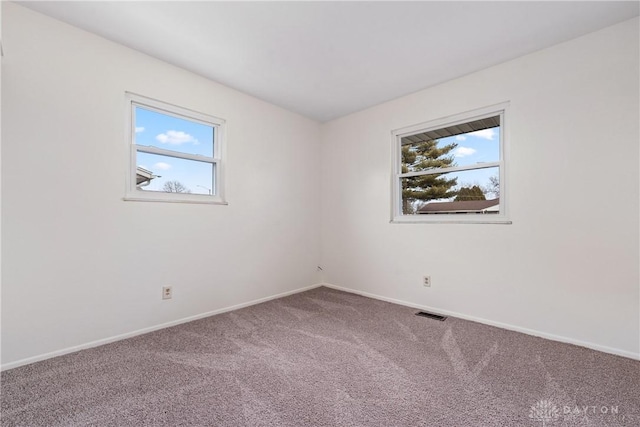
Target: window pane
172, 133
420, 152
472, 191
173, 175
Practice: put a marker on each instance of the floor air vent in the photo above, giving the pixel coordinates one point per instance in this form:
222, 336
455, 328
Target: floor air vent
431, 315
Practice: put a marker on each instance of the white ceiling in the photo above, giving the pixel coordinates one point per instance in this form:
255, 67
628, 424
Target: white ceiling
328, 59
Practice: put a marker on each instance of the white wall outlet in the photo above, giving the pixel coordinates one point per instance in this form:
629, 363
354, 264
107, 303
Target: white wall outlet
167, 292
426, 281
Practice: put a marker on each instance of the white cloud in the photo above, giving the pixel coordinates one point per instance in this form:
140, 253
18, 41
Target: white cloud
460, 137
176, 137
139, 129
464, 151
162, 166
484, 134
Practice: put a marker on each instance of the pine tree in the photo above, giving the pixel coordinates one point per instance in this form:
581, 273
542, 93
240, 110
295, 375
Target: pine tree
470, 193
422, 156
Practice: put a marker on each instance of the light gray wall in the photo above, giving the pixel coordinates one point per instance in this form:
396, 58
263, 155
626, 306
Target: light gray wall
79, 263
567, 268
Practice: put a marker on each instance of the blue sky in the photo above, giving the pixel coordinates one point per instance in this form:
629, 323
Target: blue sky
172, 133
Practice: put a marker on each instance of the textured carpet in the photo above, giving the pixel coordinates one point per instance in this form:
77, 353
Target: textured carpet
326, 358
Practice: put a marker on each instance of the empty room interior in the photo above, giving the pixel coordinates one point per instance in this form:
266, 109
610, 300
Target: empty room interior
320, 213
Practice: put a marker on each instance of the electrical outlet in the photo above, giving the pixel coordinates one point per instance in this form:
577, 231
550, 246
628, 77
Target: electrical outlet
426, 281
167, 292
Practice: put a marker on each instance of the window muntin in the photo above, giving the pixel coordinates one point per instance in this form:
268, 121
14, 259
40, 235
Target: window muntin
176, 154
451, 170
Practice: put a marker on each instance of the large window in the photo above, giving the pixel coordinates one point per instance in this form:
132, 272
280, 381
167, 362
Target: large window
176, 154
452, 169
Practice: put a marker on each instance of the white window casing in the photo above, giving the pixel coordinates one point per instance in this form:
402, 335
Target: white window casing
502, 217
215, 187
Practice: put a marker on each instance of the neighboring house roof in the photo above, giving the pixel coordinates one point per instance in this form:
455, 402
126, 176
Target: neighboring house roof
143, 176
461, 207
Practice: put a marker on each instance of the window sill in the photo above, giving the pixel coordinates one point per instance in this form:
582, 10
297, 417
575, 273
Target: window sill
162, 198
475, 220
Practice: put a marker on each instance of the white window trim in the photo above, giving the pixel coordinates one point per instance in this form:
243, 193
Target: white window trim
396, 157
132, 193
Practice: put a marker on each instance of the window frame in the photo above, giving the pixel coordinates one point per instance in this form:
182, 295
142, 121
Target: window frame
396, 176
133, 193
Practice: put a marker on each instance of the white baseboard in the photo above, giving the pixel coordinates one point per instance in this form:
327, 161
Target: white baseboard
108, 340
553, 337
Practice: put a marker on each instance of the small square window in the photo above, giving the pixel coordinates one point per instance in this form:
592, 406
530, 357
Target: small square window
451, 170
175, 153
